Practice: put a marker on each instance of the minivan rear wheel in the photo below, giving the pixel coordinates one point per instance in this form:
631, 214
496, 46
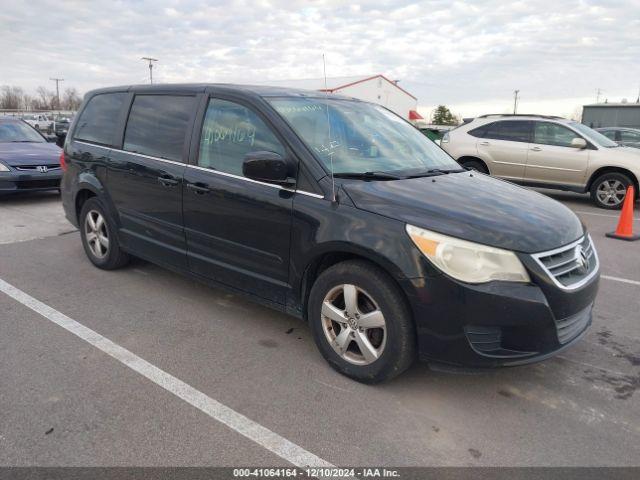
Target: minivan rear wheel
609, 190
99, 237
361, 323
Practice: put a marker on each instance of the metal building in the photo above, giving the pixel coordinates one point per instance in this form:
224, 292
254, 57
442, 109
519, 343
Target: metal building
375, 88
611, 115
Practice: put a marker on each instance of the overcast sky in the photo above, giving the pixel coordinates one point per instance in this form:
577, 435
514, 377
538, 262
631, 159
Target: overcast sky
467, 55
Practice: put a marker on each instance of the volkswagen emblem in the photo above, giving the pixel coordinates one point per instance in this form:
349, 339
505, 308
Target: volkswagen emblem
582, 260
42, 169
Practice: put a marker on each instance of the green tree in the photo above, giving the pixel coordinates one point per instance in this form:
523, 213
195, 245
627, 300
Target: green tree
443, 116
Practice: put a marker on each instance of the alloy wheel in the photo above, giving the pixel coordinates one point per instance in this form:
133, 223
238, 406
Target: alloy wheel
611, 192
353, 324
96, 234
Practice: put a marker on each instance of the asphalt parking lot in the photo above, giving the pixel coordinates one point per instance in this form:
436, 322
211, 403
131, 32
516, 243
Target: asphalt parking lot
69, 401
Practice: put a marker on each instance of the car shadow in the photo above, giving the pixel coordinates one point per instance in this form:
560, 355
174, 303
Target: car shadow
28, 198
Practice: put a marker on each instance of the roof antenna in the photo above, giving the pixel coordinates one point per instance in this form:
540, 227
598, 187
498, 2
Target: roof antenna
326, 95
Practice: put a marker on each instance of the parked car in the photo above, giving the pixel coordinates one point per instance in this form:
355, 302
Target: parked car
628, 137
334, 210
40, 122
548, 152
27, 161
62, 126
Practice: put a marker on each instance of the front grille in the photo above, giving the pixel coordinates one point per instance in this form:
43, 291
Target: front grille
571, 266
570, 327
34, 168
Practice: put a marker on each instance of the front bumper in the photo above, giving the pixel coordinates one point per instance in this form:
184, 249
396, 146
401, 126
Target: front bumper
14, 181
498, 323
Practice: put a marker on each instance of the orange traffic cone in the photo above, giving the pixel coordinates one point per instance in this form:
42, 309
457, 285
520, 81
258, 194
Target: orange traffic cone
624, 231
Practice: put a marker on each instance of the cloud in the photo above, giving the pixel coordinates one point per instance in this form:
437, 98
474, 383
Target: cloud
451, 52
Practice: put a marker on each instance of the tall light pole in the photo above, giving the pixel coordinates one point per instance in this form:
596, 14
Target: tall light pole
57, 80
515, 101
150, 60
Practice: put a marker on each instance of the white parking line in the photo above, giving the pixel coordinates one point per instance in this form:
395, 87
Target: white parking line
602, 214
623, 280
264, 437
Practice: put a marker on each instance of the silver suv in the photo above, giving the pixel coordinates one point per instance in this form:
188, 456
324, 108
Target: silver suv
547, 152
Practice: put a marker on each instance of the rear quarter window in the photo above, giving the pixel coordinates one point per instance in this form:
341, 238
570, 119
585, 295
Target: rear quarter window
158, 124
98, 121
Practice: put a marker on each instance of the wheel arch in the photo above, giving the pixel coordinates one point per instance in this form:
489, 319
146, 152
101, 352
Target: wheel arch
467, 158
611, 169
332, 255
88, 186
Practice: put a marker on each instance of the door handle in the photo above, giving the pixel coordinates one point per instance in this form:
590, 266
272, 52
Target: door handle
484, 144
168, 181
536, 149
199, 188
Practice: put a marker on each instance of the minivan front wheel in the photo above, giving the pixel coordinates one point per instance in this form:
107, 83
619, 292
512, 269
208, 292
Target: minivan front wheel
361, 323
99, 237
609, 190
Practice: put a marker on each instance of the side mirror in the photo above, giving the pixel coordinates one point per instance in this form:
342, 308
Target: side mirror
579, 143
266, 167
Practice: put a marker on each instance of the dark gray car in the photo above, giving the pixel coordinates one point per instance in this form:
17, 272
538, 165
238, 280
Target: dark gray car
629, 137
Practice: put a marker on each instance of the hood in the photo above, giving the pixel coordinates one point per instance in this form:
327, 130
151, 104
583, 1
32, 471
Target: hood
17, 154
472, 207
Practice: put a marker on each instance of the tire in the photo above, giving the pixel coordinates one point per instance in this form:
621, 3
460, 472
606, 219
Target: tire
376, 294
476, 165
609, 190
112, 255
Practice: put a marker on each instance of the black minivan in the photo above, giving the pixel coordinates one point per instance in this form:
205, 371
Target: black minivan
334, 210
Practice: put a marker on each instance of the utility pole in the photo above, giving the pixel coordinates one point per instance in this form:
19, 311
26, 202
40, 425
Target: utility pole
57, 80
150, 60
598, 93
515, 101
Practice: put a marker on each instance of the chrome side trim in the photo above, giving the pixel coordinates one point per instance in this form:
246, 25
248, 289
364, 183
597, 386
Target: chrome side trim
231, 175
309, 194
93, 145
204, 169
173, 162
581, 283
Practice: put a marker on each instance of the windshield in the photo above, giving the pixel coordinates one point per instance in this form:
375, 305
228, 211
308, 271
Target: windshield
358, 137
19, 132
595, 137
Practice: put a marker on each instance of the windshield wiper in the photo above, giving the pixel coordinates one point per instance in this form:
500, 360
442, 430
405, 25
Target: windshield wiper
369, 175
436, 171
24, 141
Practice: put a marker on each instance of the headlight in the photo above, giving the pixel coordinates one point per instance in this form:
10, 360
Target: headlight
467, 261
3, 167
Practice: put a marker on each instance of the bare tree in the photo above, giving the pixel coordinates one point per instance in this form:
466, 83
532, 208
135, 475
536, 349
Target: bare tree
71, 99
577, 114
26, 101
46, 99
11, 97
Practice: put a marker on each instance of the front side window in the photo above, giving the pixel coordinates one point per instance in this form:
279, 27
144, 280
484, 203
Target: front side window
158, 125
610, 134
98, 120
229, 132
594, 137
19, 132
358, 137
547, 133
